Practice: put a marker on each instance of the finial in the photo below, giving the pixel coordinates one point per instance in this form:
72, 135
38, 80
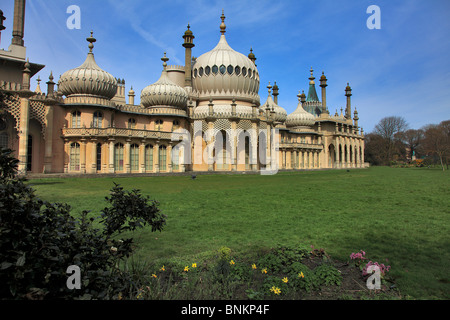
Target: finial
51, 76
38, 79
164, 59
222, 25
91, 41
269, 87
311, 78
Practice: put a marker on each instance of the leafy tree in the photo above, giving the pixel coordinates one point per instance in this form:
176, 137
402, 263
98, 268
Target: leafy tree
40, 240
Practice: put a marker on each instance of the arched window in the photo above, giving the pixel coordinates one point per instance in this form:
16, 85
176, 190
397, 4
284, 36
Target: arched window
244, 71
237, 70
162, 158
200, 71
207, 70
249, 73
131, 123
230, 69
223, 69
195, 72
74, 158
149, 157
118, 157
134, 157
215, 69
76, 119
98, 119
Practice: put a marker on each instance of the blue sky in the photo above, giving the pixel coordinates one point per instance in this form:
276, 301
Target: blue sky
403, 69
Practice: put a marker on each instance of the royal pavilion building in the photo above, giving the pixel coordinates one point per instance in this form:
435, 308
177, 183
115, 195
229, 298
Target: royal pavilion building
207, 115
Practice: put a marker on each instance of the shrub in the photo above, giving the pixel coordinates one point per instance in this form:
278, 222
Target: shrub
40, 240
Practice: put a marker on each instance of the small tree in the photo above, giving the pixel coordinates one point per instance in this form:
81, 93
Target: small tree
437, 140
40, 240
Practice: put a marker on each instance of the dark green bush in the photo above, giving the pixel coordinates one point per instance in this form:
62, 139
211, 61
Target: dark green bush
40, 240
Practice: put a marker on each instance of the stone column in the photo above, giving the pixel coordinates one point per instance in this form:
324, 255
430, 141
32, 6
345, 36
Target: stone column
169, 157
83, 156
126, 156
156, 156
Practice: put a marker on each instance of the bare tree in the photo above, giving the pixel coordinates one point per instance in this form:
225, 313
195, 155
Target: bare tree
388, 128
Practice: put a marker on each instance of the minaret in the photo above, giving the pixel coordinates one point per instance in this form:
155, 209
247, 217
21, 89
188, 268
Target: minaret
355, 118
275, 92
323, 85
131, 96
188, 45
348, 110
50, 85
18, 23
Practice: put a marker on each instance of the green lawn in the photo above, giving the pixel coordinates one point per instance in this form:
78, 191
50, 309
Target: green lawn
399, 214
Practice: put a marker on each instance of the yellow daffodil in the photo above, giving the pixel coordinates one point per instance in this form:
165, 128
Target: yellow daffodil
154, 275
163, 269
264, 270
194, 265
232, 262
301, 275
285, 280
275, 290
253, 266
186, 268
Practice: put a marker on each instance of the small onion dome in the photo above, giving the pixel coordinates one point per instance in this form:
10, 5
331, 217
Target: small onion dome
88, 79
164, 92
280, 113
300, 117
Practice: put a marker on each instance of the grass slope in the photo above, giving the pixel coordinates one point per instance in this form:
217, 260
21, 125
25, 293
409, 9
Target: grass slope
391, 213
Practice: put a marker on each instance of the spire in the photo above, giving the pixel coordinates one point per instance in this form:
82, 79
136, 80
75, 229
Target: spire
312, 94
222, 25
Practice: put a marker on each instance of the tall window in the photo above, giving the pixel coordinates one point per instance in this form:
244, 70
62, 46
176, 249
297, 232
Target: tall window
247, 153
30, 153
118, 157
149, 157
98, 119
222, 162
99, 156
4, 140
162, 158
74, 156
134, 157
131, 123
76, 119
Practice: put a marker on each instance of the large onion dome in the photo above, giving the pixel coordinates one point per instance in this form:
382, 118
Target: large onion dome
280, 113
225, 73
300, 117
164, 92
88, 79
